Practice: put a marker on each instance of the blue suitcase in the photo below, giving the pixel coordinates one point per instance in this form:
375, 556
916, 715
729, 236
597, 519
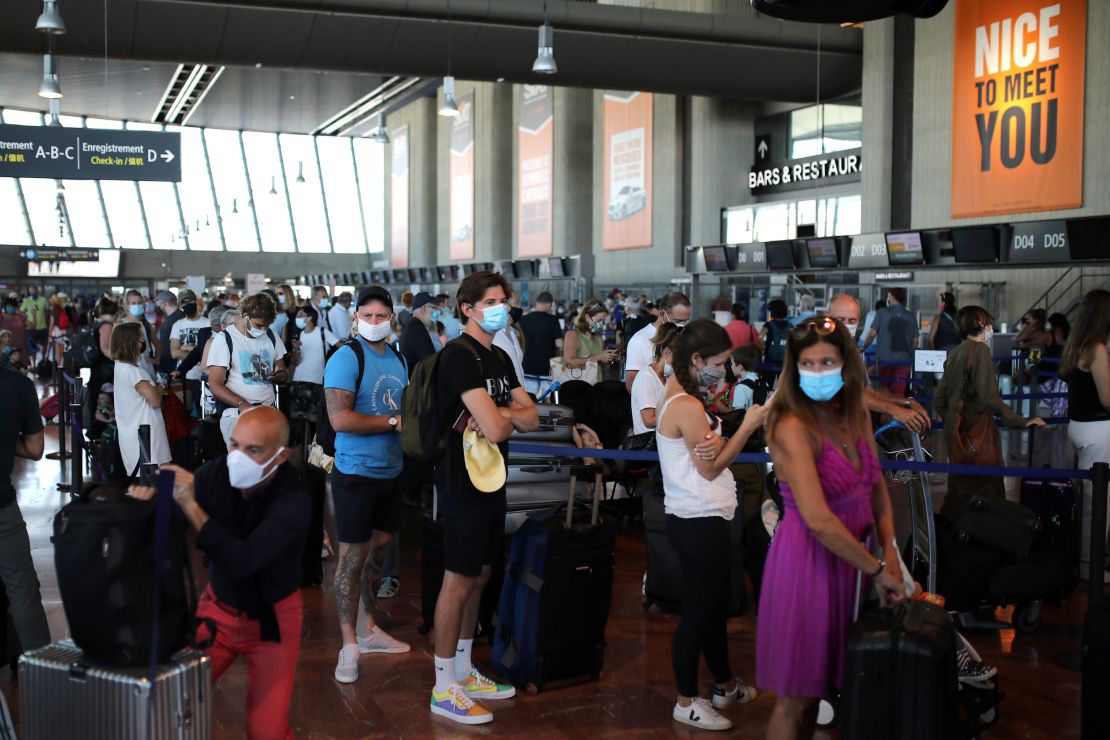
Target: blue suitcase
556, 595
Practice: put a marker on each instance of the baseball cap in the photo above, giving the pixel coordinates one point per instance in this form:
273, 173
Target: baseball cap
484, 463
377, 293
166, 296
186, 296
422, 299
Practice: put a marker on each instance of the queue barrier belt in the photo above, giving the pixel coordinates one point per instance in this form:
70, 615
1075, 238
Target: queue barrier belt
528, 448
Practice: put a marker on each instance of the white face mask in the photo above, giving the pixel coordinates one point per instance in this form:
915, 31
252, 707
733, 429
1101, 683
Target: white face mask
668, 371
988, 334
243, 472
373, 332
253, 332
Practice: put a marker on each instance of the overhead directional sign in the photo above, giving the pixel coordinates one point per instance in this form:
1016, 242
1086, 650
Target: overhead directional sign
762, 147
59, 254
89, 154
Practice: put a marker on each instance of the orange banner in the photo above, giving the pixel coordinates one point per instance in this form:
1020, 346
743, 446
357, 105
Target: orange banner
399, 198
626, 194
1017, 115
535, 141
462, 180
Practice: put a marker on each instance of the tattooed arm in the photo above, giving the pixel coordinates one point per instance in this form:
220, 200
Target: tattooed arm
345, 419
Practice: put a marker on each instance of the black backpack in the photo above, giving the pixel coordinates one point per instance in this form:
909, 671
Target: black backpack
325, 434
424, 432
84, 350
104, 550
777, 332
759, 388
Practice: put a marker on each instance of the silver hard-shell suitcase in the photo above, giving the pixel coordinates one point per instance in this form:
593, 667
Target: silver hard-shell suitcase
556, 423
61, 696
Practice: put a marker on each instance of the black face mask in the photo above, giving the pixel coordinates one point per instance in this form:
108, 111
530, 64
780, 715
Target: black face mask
190, 309
515, 314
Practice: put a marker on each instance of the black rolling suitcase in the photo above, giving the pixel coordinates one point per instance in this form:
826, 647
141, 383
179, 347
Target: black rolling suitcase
555, 599
900, 676
1096, 626
663, 586
431, 579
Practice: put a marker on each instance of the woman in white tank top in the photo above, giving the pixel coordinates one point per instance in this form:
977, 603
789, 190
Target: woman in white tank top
700, 500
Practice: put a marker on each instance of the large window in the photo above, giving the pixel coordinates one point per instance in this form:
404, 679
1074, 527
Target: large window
201, 224
833, 216
225, 157
306, 194
240, 191
825, 128
270, 202
341, 192
370, 160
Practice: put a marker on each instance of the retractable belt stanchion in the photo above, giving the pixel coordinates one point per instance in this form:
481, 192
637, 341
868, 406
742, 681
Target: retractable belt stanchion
76, 468
61, 387
1095, 722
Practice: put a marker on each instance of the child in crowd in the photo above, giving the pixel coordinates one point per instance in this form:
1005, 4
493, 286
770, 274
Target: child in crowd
11, 358
749, 388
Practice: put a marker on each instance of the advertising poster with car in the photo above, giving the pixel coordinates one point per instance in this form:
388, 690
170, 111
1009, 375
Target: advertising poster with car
627, 182
462, 180
535, 140
1017, 108
399, 198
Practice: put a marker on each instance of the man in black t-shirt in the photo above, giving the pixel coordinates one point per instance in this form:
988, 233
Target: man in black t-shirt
20, 436
543, 339
477, 388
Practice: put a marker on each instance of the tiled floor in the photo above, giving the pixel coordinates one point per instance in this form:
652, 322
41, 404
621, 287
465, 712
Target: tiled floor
634, 696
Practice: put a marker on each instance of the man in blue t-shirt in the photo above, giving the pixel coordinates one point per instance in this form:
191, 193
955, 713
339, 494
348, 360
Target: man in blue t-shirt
365, 412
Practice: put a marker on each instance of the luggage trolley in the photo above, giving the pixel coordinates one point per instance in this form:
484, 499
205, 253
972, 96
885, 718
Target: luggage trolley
923, 535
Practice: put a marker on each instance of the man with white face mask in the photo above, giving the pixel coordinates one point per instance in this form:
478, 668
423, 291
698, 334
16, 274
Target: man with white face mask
244, 362
363, 384
251, 512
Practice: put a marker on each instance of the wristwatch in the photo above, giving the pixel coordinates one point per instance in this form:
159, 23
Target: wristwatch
882, 567
907, 404
392, 421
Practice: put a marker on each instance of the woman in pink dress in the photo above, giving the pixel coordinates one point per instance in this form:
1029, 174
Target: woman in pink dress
825, 459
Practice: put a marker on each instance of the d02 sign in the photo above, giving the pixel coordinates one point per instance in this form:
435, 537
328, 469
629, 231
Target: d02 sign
1017, 123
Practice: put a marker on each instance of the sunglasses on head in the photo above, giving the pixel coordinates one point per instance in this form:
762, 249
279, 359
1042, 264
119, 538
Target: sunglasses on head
823, 325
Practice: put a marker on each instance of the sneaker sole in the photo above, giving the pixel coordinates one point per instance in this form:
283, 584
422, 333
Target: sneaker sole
508, 694
351, 679
481, 719
702, 726
385, 651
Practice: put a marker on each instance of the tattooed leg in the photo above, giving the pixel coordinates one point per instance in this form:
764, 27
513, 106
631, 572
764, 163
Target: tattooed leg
371, 576
347, 581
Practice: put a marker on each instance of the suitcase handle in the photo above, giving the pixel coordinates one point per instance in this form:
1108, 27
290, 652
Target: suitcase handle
598, 487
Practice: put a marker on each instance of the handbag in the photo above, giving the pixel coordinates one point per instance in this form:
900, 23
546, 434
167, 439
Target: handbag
643, 442
591, 373
977, 444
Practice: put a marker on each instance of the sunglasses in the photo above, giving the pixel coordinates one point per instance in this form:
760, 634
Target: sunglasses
824, 326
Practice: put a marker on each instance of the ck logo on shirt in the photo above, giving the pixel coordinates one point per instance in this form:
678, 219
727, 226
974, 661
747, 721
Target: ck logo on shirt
385, 395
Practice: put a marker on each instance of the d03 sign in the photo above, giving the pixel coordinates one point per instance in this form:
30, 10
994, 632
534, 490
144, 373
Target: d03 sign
1017, 114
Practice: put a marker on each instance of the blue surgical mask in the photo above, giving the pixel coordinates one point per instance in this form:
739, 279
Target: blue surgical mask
437, 315
9, 310
300, 322
494, 318
325, 303
135, 309
281, 298
822, 386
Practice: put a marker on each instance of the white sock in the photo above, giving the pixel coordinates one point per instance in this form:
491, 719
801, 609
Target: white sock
462, 659
445, 673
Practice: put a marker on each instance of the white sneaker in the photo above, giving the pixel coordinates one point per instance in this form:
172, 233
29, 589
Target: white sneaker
346, 670
702, 715
379, 641
738, 694
388, 588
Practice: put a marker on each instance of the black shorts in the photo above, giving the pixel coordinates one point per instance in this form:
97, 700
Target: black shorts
473, 533
363, 506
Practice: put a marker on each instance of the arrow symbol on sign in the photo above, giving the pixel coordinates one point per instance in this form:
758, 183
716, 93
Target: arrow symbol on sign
167, 156
762, 148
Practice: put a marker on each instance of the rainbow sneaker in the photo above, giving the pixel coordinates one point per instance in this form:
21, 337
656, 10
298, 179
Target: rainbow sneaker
478, 686
455, 705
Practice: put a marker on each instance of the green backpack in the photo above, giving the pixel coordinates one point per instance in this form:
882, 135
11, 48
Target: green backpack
423, 432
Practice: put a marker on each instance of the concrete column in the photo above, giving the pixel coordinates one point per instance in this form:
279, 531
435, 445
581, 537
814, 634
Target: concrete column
878, 107
420, 116
493, 173
720, 146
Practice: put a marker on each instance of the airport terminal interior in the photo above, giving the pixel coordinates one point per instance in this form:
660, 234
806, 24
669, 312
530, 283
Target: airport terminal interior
704, 193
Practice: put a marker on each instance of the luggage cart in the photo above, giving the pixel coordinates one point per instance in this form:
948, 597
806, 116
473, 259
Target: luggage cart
923, 535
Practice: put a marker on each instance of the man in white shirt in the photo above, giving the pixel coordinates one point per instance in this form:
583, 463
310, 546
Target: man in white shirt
674, 308
508, 340
244, 362
339, 316
322, 303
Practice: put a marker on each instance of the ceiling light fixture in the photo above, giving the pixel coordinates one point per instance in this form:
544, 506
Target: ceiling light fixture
545, 51
234, 206
300, 172
450, 108
50, 22
61, 186
273, 185
50, 89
